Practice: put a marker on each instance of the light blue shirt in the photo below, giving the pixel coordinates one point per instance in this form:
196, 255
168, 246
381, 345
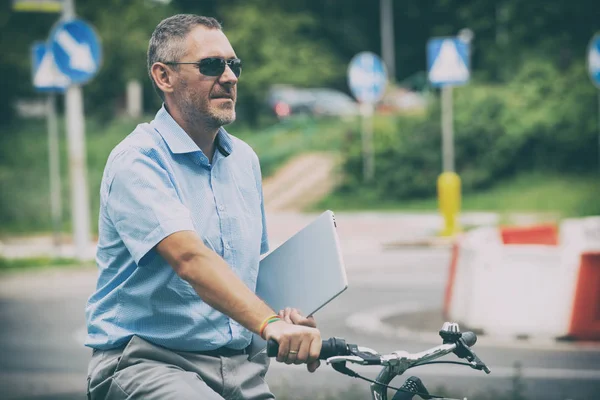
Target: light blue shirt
156, 182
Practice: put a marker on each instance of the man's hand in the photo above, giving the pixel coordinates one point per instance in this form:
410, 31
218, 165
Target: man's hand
297, 344
292, 316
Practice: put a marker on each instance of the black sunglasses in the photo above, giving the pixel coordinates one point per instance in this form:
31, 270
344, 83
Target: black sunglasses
214, 66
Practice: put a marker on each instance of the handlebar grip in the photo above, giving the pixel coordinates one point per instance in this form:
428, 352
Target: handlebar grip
329, 348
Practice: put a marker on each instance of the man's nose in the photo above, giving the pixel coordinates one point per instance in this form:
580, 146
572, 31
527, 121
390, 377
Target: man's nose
228, 77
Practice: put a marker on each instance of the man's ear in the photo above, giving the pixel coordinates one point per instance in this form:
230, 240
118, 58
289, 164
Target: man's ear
163, 77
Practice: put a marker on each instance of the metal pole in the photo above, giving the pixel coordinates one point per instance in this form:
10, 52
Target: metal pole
598, 130
77, 159
68, 10
447, 130
367, 142
54, 169
78, 171
387, 37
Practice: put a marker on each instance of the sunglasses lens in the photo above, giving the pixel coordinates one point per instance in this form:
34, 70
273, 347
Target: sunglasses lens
236, 67
216, 66
212, 66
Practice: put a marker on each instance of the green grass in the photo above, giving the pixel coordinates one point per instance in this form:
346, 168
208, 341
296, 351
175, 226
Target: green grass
7, 265
24, 181
277, 144
564, 195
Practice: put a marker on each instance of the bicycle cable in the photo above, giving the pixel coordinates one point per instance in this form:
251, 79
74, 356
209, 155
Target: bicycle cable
423, 395
431, 396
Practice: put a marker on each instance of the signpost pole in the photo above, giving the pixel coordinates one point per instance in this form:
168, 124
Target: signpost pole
448, 65
367, 142
51, 120
447, 130
77, 159
68, 9
367, 78
448, 183
387, 37
54, 169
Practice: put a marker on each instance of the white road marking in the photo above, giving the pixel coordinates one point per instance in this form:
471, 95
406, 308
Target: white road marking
370, 323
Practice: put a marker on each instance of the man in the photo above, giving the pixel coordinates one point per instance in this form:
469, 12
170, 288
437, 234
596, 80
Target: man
181, 231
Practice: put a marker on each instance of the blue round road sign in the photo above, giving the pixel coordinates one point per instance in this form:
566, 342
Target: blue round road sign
76, 50
367, 77
594, 60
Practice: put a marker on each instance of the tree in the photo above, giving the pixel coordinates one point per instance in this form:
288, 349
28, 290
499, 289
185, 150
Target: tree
305, 42
15, 54
125, 28
277, 47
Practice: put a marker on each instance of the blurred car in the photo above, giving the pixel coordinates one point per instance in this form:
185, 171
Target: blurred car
332, 102
398, 100
285, 101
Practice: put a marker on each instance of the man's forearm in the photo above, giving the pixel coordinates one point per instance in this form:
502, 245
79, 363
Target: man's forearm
213, 279
216, 284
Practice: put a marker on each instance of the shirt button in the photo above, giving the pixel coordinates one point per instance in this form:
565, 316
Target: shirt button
221, 208
227, 246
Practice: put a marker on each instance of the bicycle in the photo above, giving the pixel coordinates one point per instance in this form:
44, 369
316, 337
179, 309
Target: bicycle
337, 353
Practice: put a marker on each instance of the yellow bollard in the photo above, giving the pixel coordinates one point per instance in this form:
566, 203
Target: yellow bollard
448, 186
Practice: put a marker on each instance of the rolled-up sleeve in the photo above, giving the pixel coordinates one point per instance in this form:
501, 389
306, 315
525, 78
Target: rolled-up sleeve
264, 242
143, 204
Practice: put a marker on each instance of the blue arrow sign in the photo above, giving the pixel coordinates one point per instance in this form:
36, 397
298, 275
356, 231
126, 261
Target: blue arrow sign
448, 61
76, 50
46, 76
367, 77
594, 60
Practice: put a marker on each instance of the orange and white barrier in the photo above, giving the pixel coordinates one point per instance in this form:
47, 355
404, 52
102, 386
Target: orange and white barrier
536, 281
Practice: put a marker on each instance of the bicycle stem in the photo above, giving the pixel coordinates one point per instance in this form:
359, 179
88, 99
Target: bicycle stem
400, 361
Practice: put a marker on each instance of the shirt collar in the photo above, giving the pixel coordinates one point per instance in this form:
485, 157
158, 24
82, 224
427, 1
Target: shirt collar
180, 142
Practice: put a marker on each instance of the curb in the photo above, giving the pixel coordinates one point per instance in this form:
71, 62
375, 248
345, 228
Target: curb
371, 323
430, 241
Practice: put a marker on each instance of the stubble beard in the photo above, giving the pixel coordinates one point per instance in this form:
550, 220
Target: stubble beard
197, 109
221, 114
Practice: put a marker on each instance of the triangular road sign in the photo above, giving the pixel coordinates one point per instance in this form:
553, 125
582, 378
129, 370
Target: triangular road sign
46, 75
448, 66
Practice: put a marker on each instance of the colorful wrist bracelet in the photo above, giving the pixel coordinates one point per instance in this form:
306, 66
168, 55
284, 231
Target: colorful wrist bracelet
267, 321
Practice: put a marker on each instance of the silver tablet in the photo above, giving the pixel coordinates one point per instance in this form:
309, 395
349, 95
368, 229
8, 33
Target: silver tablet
306, 272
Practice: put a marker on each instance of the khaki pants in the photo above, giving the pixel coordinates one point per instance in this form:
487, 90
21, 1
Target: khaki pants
142, 370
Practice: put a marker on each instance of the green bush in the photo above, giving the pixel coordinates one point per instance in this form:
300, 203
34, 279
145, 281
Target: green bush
543, 120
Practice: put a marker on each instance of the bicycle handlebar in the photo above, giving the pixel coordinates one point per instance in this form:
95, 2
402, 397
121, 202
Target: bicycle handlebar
337, 352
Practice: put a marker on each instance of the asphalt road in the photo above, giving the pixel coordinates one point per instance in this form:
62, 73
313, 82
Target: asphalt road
42, 321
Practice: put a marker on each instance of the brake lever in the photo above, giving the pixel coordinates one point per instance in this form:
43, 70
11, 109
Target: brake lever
360, 355
339, 364
340, 359
369, 356
478, 364
464, 351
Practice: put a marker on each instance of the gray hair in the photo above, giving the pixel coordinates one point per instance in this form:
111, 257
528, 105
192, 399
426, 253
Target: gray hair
166, 43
